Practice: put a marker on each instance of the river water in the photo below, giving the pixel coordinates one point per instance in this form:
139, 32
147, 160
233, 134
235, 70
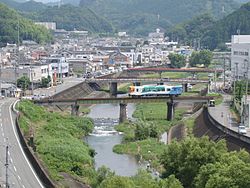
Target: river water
104, 137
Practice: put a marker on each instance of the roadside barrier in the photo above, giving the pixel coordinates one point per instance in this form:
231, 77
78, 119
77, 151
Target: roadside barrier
225, 129
40, 172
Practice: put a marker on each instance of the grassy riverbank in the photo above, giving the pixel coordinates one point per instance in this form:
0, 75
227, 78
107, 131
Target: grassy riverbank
141, 138
58, 142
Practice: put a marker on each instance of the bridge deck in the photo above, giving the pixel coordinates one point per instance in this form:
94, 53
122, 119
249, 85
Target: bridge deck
178, 80
175, 70
124, 100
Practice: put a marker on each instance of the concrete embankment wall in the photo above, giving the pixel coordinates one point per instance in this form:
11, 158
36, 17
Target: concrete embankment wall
78, 91
206, 125
40, 172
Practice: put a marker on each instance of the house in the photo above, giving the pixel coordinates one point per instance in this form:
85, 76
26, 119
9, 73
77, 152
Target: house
118, 59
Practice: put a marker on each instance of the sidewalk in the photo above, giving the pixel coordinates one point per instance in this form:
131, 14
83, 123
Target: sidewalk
223, 115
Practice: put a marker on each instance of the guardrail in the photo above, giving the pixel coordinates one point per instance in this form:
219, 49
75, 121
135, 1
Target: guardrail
31, 156
225, 129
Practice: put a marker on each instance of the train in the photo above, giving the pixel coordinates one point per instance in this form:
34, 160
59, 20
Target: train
155, 90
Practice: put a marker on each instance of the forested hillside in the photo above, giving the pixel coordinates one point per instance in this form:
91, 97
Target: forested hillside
28, 30
24, 6
142, 16
70, 17
222, 30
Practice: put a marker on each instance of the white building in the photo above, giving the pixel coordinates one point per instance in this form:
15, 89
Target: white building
240, 61
47, 25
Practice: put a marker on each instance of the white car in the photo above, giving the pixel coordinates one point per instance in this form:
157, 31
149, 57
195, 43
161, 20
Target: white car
242, 129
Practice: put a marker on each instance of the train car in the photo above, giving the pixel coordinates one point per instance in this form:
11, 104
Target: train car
155, 90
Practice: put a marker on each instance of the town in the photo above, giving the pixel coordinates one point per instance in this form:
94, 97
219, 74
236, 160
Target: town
158, 107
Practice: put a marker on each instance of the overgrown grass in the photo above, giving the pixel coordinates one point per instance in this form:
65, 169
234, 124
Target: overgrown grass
217, 96
149, 149
157, 113
58, 141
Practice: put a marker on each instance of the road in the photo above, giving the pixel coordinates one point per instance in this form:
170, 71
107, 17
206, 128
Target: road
20, 171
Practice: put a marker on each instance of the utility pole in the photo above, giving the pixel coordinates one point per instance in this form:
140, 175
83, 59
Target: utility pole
224, 70
6, 168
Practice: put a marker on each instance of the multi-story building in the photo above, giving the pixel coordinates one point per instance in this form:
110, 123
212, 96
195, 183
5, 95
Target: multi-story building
240, 60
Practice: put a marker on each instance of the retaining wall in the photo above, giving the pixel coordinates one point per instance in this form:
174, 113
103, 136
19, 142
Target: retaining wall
225, 129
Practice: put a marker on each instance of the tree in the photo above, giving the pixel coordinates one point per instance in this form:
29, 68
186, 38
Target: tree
177, 60
231, 171
117, 181
203, 57
170, 182
45, 81
23, 83
185, 158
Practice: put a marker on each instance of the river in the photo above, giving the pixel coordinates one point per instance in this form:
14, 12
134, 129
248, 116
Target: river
104, 137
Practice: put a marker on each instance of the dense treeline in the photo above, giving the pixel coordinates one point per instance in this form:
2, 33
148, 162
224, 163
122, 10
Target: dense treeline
143, 16
211, 34
28, 30
222, 30
70, 17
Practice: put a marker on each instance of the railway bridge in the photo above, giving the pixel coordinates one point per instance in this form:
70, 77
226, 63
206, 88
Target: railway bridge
137, 82
123, 101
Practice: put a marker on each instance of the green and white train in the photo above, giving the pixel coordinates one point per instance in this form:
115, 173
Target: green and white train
155, 90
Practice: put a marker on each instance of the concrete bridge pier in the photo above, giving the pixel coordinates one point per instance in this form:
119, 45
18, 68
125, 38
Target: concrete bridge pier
170, 110
113, 88
75, 110
185, 87
123, 112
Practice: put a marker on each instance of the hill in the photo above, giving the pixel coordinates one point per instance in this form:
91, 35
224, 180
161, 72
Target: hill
222, 30
25, 6
28, 30
142, 16
70, 17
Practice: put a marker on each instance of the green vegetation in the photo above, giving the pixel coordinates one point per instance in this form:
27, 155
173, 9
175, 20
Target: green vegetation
218, 97
28, 31
192, 31
222, 30
141, 138
177, 60
58, 141
240, 89
23, 83
203, 58
203, 163
141, 17
212, 34
45, 82
69, 17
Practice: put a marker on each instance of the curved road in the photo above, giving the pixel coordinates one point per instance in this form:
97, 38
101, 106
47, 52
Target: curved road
20, 172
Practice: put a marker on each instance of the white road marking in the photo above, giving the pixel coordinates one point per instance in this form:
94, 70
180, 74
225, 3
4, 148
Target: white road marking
11, 119
2, 134
4, 139
23, 186
1, 125
11, 160
14, 168
19, 177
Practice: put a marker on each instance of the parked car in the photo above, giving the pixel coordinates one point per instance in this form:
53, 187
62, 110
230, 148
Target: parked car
242, 129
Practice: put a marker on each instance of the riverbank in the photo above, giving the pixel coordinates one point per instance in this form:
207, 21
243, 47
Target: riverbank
142, 137
57, 141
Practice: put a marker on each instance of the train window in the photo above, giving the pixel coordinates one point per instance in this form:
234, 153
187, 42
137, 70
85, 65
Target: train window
211, 103
168, 89
137, 90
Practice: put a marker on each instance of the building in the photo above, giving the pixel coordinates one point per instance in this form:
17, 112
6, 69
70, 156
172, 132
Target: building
47, 25
240, 62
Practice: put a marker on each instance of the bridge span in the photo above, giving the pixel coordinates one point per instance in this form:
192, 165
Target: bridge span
134, 80
159, 70
123, 101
